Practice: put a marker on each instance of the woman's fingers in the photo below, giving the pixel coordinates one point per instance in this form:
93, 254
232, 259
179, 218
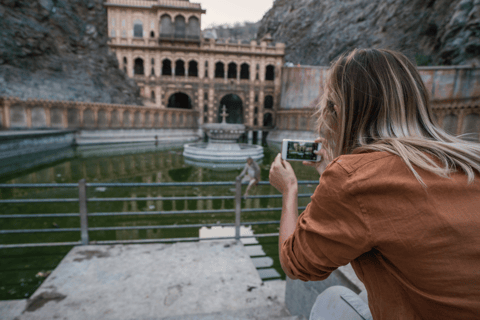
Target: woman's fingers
308, 163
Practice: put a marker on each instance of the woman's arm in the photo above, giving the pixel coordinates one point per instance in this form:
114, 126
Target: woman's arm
288, 222
283, 178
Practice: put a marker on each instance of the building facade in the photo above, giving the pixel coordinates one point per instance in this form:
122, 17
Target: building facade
159, 44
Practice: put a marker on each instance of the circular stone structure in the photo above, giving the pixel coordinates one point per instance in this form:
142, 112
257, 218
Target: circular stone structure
222, 149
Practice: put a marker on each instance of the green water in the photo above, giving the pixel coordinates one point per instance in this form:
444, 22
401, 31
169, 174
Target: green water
19, 267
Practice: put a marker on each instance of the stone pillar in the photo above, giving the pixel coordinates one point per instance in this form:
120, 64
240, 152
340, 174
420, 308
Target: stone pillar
259, 137
47, 117
108, 115
28, 114
250, 136
6, 114
65, 118
80, 117
95, 115
461, 118
158, 97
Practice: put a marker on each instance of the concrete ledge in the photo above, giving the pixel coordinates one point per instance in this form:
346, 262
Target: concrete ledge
9, 309
300, 296
153, 281
91, 137
275, 137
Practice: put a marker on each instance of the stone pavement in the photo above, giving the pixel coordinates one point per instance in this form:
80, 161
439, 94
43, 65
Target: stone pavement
206, 280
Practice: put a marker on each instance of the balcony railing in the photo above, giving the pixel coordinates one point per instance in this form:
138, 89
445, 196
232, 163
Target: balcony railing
179, 37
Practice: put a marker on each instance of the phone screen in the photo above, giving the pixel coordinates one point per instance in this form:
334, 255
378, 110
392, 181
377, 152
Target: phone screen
298, 150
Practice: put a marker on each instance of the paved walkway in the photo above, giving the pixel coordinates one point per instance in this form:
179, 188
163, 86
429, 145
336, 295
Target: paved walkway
207, 280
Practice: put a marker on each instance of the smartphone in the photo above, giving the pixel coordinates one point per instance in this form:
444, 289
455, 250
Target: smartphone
300, 150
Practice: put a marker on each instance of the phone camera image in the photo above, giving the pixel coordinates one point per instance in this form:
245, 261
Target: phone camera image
301, 151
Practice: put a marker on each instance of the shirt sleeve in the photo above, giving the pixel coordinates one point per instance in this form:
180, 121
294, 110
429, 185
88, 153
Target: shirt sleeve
330, 233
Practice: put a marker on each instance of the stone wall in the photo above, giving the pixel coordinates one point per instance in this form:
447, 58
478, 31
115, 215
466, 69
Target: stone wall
454, 91
40, 114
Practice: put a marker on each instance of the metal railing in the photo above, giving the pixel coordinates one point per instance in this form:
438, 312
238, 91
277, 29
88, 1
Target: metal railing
84, 215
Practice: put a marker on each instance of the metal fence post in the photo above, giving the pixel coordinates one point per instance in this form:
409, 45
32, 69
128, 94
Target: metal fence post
238, 207
82, 199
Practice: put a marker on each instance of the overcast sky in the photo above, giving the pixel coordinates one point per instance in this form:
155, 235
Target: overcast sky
231, 11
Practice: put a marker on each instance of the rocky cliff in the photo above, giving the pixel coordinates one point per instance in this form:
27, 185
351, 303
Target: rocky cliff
434, 32
57, 49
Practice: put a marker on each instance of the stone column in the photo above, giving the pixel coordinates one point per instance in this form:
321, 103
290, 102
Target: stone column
80, 117
461, 118
6, 114
95, 116
28, 113
259, 137
250, 136
47, 117
158, 97
65, 118
120, 117
108, 115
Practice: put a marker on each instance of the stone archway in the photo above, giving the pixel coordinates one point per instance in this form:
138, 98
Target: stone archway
234, 107
180, 100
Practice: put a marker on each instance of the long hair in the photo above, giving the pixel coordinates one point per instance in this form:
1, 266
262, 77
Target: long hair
383, 105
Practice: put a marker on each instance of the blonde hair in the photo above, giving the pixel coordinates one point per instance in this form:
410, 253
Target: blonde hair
383, 105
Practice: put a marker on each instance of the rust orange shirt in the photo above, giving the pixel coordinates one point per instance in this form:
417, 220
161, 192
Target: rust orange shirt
416, 250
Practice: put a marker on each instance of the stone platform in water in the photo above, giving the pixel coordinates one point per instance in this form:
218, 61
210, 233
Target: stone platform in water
219, 155
204, 280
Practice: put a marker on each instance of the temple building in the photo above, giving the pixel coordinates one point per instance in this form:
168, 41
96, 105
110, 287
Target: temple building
159, 43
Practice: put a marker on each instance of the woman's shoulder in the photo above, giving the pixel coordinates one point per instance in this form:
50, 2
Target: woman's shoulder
353, 162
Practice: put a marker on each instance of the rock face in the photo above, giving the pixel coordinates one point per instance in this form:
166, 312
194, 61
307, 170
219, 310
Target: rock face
57, 49
434, 32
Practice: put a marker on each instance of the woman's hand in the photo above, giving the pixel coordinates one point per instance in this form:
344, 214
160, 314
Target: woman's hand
282, 176
326, 158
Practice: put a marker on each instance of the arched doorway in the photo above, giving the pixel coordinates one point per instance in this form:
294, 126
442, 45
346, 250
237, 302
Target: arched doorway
268, 120
180, 100
234, 108
138, 68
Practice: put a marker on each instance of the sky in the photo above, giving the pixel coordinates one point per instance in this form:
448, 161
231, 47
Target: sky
231, 11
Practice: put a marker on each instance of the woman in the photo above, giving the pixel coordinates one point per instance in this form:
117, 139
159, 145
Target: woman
400, 201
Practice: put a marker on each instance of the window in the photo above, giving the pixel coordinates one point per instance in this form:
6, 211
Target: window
152, 95
268, 103
152, 34
219, 70
113, 22
205, 96
166, 26
124, 33
138, 29
153, 61
113, 33
245, 71
270, 73
193, 29
166, 68
123, 23
152, 72
179, 68
125, 60
256, 98
192, 69
180, 27
138, 68
232, 71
